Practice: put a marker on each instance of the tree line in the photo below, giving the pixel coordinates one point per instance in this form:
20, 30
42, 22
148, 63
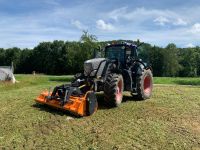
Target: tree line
60, 57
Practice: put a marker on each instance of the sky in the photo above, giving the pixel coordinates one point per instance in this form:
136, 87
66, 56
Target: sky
26, 23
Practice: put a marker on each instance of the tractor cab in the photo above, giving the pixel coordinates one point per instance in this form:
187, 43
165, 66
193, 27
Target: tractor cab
121, 52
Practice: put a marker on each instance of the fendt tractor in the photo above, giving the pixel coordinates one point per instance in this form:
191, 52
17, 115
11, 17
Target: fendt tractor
121, 70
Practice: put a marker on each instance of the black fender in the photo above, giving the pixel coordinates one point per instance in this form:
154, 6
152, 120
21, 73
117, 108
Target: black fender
138, 67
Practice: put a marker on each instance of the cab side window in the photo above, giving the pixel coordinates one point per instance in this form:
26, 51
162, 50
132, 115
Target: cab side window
133, 52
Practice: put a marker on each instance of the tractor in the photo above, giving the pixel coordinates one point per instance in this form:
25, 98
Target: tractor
120, 70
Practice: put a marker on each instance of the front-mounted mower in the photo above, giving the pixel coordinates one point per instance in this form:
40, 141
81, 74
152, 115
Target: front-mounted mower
120, 70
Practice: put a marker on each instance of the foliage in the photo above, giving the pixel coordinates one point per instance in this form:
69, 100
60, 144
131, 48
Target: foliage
60, 57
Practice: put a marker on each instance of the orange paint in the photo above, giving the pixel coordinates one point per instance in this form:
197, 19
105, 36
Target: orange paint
76, 105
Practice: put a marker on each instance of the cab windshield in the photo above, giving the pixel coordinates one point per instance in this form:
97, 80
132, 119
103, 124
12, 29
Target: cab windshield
115, 52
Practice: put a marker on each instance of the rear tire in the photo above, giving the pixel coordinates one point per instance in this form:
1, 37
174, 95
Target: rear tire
113, 89
144, 85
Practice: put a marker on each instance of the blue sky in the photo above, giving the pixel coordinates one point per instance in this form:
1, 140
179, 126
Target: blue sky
25, 23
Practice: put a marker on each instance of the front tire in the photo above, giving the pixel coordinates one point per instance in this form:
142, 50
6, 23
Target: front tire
113, 89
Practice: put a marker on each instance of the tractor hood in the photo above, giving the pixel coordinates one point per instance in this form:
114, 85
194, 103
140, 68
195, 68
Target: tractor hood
93, 66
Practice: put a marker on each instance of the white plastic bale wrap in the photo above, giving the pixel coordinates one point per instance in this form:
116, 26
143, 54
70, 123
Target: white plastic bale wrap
6, 74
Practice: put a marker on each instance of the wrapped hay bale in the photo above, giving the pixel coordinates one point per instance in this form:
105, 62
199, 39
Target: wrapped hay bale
6, 74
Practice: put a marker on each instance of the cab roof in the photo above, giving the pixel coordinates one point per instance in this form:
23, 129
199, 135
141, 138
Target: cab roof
121, 44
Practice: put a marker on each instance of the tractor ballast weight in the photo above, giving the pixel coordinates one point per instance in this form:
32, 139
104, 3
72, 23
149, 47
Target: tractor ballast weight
120, 70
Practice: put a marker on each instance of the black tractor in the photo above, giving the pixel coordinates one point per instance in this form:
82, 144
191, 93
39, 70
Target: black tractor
120, 70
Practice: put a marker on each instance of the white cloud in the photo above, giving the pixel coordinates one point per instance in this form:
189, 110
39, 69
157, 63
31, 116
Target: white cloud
171, 21
190, 45
159, 16
102, 25
139, 14
78, 24
180, 22
118, 13
161, 20
195, 28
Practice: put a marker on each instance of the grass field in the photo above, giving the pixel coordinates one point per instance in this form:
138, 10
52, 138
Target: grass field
177, 81
169, 120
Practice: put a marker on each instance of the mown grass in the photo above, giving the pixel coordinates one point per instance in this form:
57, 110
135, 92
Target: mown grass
169, 120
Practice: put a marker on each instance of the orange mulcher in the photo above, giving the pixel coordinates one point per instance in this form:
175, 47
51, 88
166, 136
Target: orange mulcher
72, 97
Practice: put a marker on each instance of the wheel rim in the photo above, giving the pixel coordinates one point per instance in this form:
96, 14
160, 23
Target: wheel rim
119, 91
147, 85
